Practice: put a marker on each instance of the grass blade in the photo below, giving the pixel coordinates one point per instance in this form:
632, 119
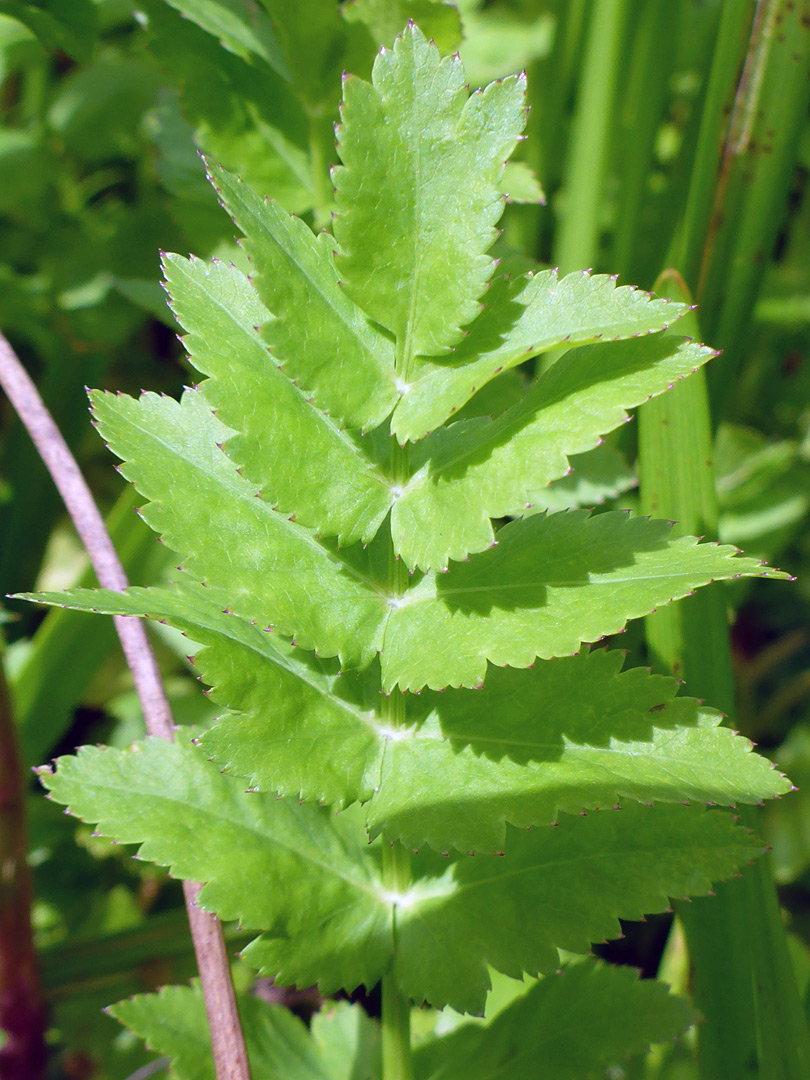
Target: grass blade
743, 982
578, 235
759, 159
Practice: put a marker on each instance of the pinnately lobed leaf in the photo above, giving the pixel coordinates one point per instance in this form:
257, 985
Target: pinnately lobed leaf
391, 630
552, 583
271, 569
462, 476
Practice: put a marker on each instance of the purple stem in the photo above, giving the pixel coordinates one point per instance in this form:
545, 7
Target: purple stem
230, 1055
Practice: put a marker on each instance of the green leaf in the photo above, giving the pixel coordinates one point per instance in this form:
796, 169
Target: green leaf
333, 487
524, 317
413, 256
564, 736
97, 110
147, 294
263, 566
173, 1022
784, 821
310, 878
182, 172
576, 1022
67, 25
498, 41
763, 488
348, 1040
496, 397
480, 469
241, 25
26, 172
314, 40
439, 21
575, 880
334, 351
551, 583
323, 743
520, 185
263, 150
568, 735
255, 853
240, 112
597, 475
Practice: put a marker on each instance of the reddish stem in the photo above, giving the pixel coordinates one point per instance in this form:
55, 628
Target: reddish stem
23, 1015
230, 1055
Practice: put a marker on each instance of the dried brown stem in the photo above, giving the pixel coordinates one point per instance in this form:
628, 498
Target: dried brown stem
230, 1055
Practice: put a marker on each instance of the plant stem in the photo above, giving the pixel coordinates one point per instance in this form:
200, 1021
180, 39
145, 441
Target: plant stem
23, 1016
230, 1055
68, 647
396, 1008
396, 861
396, 1031
741, 123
